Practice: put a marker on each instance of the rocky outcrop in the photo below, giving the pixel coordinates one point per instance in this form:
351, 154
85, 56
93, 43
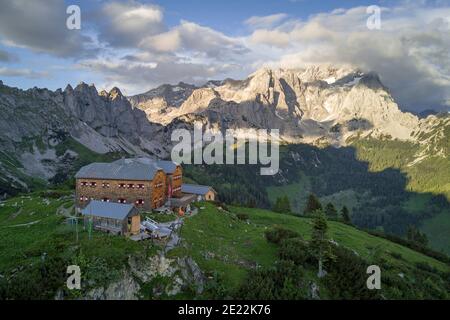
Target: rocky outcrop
306, 105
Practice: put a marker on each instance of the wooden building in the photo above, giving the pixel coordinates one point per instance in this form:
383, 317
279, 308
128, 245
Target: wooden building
202, 193
145, 183
115, 218
128, 181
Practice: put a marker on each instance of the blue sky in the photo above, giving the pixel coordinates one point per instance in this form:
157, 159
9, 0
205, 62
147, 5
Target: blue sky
137, 45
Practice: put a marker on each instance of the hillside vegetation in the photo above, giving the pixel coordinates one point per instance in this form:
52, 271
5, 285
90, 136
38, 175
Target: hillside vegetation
232, 251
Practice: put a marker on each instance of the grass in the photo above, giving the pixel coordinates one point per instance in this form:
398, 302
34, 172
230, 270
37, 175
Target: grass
30, 227
363, 243
220, 243
437, 230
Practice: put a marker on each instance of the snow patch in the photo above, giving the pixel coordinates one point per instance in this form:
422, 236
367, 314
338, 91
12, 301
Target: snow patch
330, 80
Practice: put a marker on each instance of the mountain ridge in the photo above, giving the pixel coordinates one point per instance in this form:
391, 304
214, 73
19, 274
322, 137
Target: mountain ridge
320, 105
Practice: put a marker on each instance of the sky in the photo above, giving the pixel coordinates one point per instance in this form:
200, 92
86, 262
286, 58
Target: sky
137, 45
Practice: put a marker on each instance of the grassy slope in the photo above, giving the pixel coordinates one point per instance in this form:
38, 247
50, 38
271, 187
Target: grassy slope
23, 245
220, 242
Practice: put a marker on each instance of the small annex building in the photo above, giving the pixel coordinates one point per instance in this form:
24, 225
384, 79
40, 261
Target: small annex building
203, 193
115, 218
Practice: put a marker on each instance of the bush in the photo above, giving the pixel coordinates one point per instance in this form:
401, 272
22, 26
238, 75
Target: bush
426, 267
396, 255
242, 216
35, 282
347, 276
277, 234
285, 281
222, 205
296, 250
54, 194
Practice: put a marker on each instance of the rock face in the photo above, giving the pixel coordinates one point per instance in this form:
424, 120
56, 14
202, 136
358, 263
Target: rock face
37, 123
317, 105
306, 105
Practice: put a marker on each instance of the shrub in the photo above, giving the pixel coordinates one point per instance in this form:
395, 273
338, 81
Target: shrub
396, 255
284, 281
347, 276
296, 250
242, 216
277, 234
426, 267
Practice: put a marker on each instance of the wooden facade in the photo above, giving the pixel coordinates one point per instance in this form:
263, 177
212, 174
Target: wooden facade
145, 194
175, 180
131, 225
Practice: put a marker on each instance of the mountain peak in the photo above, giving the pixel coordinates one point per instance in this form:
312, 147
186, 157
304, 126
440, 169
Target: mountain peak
115, 93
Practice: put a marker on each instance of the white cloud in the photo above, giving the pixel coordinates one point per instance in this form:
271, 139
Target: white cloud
410, 52
25, 73
274, 38
40, 25
197, 39
265, 21
125, 24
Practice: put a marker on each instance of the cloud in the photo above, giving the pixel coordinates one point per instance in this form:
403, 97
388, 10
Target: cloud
410, 52
40, 25
25, 73
265, 21
134, 75
133, 47
199, 40
125, 24
5, 56
274, 38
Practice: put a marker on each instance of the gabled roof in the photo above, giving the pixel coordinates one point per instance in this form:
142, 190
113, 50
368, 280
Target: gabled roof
196, 189
107, 210
169, 167
125, 169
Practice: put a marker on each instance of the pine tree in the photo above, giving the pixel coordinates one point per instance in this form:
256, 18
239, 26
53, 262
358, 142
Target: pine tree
413, 234
286, 205
313, 204
319, 243
345, 215
331, 211
282, 205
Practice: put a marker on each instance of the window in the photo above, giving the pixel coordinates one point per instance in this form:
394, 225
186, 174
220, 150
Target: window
158, 185
93, 184
176, 177
121, 200
83, 198
140, 186
130, 186
105, 200
84, 183
176, 189
121, 185
140, 202
105, 184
